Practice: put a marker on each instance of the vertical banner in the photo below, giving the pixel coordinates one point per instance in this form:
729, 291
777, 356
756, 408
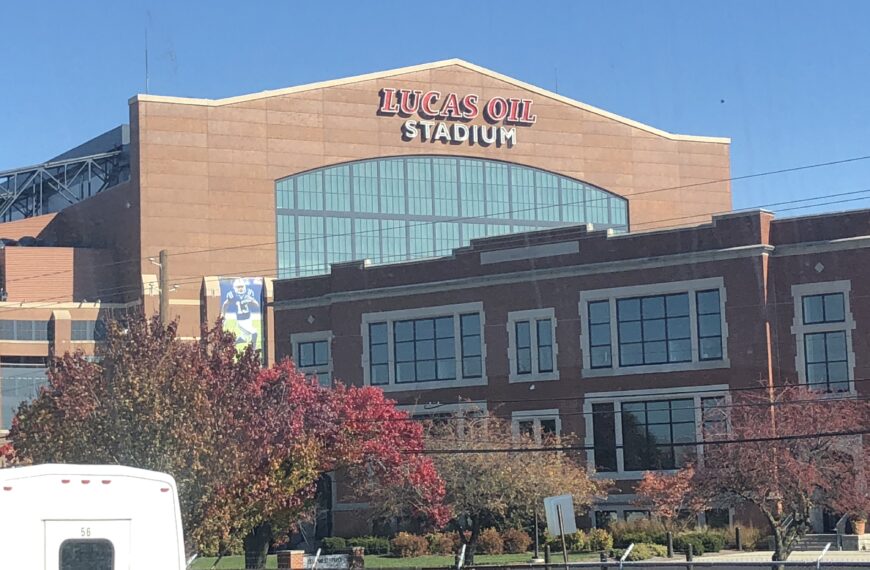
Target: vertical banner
242, 310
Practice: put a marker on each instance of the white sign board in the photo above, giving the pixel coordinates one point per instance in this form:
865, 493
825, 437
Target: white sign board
566, 502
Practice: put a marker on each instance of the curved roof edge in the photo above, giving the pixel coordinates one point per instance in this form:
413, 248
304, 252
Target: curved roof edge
423, 67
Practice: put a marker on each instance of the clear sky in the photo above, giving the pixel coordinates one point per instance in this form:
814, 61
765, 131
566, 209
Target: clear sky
788, 81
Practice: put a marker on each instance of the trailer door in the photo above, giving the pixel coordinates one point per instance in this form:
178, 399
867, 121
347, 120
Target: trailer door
87, 545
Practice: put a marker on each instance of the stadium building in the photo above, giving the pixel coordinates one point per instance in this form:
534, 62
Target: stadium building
392, 166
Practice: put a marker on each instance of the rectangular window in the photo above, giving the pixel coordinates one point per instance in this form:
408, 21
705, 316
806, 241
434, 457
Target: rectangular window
538, 425
26, 330
88, 330
339, 241
650, 328
436, 348
533, 346
828, 308
524, 347
709, 325
379, 358
654, 330
545, 345
472, 359
471, 182
365, 187
419, 186
827, 363
367, 238
547, 197
312, 246
309, 188
656, 434
337, 182
394, 242
446, 182
425, 350
393, 186
604, 437
822, 325
313, 353
600, 352
714, 415
312, 356
498, 201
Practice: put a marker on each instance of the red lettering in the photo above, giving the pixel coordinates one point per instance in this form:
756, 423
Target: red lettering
527, 116
496, 109
513, 110
426, 102
388, 101
469, 102
451, 109
409, 101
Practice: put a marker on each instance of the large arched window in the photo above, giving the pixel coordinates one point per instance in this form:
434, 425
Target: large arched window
410, 207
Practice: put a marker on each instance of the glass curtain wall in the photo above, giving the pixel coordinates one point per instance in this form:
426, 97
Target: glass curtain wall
397, 209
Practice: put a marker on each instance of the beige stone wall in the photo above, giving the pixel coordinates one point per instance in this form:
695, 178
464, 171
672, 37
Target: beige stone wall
208, 169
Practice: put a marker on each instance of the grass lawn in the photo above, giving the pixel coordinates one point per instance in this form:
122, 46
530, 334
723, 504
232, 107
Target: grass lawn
238, 562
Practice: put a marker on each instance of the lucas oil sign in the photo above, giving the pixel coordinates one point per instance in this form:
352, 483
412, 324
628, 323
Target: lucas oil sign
433, 116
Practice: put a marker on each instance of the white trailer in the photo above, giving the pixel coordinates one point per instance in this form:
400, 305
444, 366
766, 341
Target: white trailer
89, 517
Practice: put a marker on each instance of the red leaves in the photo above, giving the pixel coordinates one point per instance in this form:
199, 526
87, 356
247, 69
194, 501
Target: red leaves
666, 495
246, 445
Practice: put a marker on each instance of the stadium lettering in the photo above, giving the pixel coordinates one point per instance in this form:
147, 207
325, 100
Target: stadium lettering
434, 109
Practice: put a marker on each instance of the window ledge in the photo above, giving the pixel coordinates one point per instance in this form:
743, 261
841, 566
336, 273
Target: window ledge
529, 378
432, 385
656, 368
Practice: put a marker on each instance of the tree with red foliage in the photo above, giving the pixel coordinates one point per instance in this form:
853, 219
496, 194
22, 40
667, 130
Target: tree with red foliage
781, 461
668, 496
245, 444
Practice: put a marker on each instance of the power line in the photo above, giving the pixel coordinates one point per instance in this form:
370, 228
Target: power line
533, 208
119, 290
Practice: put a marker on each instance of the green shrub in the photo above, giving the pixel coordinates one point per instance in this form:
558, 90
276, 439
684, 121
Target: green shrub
516, 541
577, 542
644, 531
372, 544
442, 543
407, 545
682, 542
600, 540
333, 544
641, 551
714, 540
490, 542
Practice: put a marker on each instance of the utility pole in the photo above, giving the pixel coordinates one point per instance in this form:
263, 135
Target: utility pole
164, 287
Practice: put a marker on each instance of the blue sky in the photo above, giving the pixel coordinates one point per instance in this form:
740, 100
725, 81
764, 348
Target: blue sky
787, 81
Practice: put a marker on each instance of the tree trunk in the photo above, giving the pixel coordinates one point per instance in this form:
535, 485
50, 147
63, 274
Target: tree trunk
257, 546
472, 542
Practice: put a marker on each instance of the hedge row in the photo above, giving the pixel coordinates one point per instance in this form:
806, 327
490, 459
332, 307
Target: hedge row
596, 540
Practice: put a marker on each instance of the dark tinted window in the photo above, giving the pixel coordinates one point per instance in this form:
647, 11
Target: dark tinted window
87, 555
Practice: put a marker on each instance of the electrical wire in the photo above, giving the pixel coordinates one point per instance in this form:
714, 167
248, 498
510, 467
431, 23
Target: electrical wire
137, 289
533, 208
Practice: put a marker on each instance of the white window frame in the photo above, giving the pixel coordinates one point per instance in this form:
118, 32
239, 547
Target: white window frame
420, 411
691, 287
390, 317
697, 393
535, 416
533, 316
800, 330
319, 336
